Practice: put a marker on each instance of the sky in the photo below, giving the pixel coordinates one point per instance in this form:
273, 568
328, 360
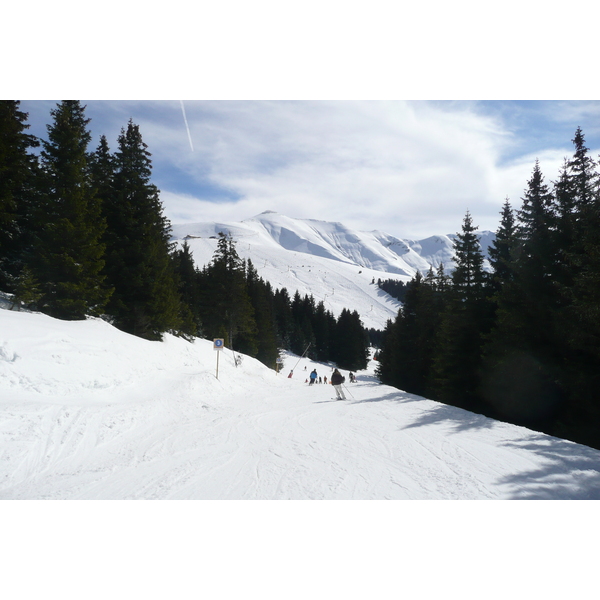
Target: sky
409, 168
393, 118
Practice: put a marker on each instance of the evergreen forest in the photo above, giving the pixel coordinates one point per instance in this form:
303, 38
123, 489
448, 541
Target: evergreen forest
394, 287
82, 232
520, 343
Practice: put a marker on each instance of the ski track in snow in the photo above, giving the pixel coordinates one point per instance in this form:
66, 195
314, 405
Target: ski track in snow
87, 412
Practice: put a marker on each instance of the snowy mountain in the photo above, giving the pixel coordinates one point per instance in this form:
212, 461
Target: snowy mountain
329, 260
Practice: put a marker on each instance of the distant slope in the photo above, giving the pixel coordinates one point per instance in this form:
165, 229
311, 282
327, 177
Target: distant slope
329, 260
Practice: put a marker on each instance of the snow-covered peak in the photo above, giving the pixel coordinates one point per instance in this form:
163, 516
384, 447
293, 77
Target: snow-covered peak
374, 250
333, 262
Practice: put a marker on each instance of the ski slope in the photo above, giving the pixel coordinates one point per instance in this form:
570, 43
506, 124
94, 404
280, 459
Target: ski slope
89, 412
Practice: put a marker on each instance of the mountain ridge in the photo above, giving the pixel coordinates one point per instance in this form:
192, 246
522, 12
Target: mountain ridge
334, 263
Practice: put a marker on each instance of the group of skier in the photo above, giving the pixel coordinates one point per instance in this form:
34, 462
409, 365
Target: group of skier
336, 379
312, 378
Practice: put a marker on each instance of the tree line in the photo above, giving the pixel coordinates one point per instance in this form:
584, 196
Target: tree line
229, 300
520, 343
394, 287
82, 232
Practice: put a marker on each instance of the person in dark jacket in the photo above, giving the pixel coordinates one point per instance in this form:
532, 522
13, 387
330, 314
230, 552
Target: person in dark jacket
336, 380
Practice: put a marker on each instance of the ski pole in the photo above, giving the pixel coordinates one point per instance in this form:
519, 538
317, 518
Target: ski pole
351, 396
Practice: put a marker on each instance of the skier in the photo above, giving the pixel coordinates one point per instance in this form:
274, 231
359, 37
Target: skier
291, 373
336, 380
313, 376
352, 378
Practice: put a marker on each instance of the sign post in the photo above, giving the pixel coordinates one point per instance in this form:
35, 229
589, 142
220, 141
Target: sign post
278, 362
218, 344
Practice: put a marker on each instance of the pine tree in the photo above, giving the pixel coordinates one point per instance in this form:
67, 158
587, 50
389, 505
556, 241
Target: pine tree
188, 281
351, 350
582, 330
18, 169
69, 254
582, 335
563, 231
102, 171
442, 280
576, 329
283, 318
145, 302
302, 336
503, 248
410, 341
521, 360
324, 328
261, 298
537, 221
465, 322
535, 267
468, 278
582, 171
226, 308
575, 192
387, 357
26, 290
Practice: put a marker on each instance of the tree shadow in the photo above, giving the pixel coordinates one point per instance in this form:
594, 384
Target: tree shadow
461, 419
393, 396
569, 471
572, 471
437, 412
383, 294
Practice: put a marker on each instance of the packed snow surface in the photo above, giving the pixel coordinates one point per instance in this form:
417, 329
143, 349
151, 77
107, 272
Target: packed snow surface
89, 412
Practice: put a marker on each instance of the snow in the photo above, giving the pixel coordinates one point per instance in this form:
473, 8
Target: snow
90, 413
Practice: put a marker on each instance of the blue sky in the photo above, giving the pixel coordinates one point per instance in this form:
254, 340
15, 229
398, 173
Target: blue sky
409, 168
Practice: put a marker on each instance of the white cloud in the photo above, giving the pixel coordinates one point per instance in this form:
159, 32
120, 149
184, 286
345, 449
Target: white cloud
411, 169
406, 168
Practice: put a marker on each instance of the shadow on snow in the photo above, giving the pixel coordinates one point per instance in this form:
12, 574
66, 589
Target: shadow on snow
570, 471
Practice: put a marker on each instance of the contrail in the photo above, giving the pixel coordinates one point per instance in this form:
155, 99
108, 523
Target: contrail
186, 125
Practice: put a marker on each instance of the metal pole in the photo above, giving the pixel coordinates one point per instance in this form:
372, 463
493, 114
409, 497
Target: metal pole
307, 347
218, 352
